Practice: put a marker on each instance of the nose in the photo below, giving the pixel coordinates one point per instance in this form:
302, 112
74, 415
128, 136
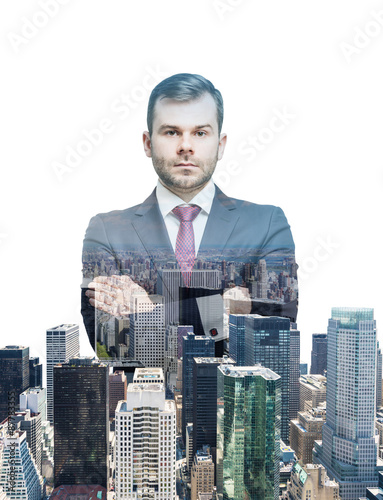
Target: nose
185, 145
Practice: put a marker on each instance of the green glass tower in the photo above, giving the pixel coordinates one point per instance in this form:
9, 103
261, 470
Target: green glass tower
248, 432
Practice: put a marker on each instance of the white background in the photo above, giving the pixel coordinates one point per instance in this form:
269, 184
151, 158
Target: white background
324, 169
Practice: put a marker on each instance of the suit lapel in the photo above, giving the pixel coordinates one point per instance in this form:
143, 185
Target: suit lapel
221, 222
151, 230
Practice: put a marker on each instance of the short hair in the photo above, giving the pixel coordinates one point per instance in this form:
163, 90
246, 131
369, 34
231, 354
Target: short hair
184, 87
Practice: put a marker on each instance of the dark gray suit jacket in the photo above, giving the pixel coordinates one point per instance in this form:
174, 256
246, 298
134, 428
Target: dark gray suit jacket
237, 232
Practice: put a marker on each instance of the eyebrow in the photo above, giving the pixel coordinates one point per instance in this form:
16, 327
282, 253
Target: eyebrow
165, 126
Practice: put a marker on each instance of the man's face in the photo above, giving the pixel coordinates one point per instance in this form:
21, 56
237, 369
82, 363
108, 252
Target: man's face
185, 145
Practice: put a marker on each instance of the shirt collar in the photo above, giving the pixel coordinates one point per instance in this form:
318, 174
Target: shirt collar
168, 200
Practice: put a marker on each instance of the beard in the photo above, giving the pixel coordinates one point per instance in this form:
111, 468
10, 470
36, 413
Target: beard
184, 178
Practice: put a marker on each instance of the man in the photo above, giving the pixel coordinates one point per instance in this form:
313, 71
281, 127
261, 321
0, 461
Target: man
188, 252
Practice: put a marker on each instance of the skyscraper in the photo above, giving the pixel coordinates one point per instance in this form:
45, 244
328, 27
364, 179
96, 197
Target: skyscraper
81, 423
205, 402
117, 390
193, 346
267, 341
14, 376
378, 376
28, 483
237, 338
31, 424
62, 344
248, 432
34, 399
348, 449
147, 329
319, 354
146, 444
35, 373
295, 338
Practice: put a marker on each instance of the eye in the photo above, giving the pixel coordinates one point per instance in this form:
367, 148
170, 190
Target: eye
171, 132
200, 133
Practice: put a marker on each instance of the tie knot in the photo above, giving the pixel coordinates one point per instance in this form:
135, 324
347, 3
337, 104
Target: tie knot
186, 214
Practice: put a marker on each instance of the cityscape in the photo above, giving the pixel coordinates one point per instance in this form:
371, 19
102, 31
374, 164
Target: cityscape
186, 423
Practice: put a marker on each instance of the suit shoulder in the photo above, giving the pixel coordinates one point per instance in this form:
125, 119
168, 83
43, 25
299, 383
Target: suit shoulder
255, 208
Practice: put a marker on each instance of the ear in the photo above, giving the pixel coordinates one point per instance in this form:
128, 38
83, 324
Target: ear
147, 144
221, 145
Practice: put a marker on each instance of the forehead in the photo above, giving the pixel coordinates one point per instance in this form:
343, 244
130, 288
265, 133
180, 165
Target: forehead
186, 114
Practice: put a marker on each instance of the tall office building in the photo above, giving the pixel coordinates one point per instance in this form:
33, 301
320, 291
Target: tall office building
35, 373
319, 354
62, 344
193, 346
348, 449
14, 375
295, 338
81, 423
31, 424
28, 483
378, 376
34, 399
237, 338
146, 444
205, 402
117, 390
267, 341
202, 474
147, 329
248, 432
169, 283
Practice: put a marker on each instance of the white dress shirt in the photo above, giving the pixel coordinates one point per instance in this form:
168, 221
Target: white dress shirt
168, 200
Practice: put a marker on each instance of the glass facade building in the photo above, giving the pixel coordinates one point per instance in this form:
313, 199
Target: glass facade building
248, 433
81, 439
14, 376
192, 346
268, 344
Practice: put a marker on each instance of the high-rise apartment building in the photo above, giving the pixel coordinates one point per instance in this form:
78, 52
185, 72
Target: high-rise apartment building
193, 346
248, 432
14, 376
146, 444
62, 344
81, 422
267, 341
319, 354
202, 474
147, 329
26, 482
348, 449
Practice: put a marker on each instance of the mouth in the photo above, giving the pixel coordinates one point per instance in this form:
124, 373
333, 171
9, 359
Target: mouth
185, 165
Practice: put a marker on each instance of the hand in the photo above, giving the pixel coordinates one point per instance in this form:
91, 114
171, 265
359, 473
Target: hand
237, 300
112, 294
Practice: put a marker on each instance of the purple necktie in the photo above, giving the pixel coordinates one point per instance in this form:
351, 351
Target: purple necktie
185, 249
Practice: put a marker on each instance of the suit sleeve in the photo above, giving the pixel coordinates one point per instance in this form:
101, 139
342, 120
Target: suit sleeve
96, 253
277, 254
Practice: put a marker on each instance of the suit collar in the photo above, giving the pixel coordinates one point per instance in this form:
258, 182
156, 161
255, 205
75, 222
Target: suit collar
150, 227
